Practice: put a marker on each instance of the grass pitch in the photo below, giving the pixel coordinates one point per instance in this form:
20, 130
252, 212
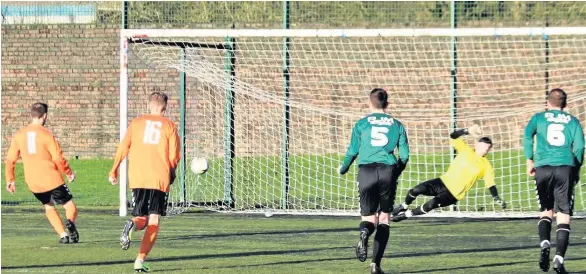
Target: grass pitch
314, 183
235, 243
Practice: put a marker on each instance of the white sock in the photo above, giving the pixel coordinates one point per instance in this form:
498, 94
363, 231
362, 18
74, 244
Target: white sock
64, 234
545, 242
560, 258
408, 213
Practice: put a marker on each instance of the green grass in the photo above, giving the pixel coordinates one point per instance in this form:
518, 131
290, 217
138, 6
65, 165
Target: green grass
314, 183
220, 243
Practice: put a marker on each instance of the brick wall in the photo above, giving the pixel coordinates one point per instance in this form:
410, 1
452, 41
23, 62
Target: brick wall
75, 70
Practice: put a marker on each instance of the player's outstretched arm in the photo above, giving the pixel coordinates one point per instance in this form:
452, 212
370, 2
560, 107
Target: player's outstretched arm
352, 151
121, 153
489, 183
458, 143
60, 161
10, 164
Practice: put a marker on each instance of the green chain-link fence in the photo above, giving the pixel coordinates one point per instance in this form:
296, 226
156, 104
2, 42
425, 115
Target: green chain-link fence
310, 14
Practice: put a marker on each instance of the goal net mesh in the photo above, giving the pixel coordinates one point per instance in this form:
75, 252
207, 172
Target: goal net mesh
501, 82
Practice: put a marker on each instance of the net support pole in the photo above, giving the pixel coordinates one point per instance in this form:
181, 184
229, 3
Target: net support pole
229, 136
286, 110
182, 104
453, 78
546, 38
123, 171
453, 73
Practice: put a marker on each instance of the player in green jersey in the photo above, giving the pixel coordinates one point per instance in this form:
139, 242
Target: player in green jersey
374, 139
556, 163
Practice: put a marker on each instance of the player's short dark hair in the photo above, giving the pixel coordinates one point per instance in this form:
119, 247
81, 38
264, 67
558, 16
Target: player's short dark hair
39, 109
159, 98
379, 98
557, 98
485, 140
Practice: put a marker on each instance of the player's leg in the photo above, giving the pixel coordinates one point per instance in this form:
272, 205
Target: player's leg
544, 191
148, 241
369, 203
426, 188
563, 194
53, 215
62, 196
140, 211
388, 189
443, 197
157, 208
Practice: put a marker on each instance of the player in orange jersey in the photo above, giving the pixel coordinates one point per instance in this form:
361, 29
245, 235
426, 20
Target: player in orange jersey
152, 145
43, 163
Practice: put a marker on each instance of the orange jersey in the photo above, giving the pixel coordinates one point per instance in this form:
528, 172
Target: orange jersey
152, 145
41, 156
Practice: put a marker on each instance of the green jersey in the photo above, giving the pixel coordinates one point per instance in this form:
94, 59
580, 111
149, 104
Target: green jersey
559, 137
374, 139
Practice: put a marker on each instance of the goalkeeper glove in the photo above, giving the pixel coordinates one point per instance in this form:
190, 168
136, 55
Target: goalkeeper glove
503, 204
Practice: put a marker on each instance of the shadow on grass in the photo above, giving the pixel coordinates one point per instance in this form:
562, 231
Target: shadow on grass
407, 255
261, 233
488, 265
277, 232
184, 258
287, 252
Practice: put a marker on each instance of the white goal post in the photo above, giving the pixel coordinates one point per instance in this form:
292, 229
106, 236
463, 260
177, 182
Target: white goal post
272, 109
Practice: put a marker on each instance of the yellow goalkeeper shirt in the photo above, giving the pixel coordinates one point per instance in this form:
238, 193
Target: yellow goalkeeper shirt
466, 169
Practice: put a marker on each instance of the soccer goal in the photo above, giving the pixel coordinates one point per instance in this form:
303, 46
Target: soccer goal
272, 109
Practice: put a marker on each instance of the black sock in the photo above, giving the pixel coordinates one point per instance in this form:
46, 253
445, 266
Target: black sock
425, 208
544, 229
410, 197
380, 243
562, 239
417, 211
368, 226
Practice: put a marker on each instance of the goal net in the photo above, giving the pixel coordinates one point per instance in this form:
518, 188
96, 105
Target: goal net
272, 110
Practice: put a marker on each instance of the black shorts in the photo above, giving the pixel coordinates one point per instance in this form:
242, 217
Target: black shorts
149, 201
377, 187
436, 188
59, 195
554, 186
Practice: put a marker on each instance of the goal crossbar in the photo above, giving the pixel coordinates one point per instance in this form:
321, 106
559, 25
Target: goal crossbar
461, 32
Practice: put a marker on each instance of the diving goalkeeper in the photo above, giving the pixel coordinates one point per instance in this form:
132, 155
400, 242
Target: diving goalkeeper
467, 167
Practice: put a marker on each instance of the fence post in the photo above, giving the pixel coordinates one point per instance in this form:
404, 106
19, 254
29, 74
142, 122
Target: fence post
229, 127
453, 78
286, 110
182, 130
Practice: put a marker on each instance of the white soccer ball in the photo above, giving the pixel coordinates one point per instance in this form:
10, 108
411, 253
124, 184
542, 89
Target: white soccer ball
199, 165
268, 214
